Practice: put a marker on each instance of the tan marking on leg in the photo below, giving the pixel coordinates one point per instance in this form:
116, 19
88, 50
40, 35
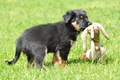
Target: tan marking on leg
72, 42
31, 63
44, 59
56, 58
63, 63
76, 26
22, 50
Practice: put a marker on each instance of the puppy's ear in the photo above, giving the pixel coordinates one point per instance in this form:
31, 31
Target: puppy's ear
68, 16
85, 12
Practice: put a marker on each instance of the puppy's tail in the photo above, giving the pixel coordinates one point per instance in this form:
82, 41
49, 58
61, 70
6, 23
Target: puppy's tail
17, 55
102, 30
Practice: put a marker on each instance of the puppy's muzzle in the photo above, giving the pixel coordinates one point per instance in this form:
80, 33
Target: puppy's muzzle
89, 23
82, 29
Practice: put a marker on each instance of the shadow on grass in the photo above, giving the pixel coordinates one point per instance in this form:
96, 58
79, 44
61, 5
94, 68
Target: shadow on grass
79, 60
108, 60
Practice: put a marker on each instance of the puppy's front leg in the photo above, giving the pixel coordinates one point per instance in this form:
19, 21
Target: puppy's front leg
56, 58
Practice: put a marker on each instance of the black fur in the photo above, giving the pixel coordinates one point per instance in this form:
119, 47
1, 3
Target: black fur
39, 40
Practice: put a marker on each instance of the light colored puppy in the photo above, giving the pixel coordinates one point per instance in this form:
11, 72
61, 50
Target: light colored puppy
97, 50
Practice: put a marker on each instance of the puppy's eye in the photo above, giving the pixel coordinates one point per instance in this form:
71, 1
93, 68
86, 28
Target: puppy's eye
81, 17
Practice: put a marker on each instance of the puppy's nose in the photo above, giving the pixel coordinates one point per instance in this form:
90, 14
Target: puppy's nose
89, 23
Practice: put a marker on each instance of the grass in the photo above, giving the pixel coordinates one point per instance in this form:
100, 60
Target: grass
18, 15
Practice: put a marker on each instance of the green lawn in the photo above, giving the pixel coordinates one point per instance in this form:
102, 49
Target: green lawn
18, 15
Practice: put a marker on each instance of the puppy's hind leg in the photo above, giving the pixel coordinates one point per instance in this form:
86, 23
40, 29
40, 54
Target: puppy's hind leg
30, 61
39, 56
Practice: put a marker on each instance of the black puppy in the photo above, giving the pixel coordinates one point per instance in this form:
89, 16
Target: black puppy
58, 38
